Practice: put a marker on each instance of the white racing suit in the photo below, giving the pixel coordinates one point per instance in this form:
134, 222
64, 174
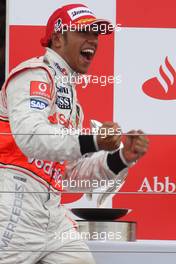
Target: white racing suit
36, 105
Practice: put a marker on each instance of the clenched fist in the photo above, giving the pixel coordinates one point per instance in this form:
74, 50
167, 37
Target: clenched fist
109, 136
135, 145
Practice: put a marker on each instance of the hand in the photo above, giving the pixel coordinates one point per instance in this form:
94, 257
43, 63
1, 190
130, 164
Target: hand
135, 146
109, 136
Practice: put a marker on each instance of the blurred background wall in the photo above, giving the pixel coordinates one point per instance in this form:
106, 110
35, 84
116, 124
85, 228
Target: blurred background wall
2, 40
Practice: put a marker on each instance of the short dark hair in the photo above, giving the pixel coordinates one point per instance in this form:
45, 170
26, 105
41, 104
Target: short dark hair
64, 34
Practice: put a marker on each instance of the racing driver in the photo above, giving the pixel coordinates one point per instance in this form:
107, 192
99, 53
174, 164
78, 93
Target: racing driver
39, 112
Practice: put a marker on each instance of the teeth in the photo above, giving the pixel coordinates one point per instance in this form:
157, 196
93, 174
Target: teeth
88, 51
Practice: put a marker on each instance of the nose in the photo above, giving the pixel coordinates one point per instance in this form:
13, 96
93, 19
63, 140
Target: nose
92, 38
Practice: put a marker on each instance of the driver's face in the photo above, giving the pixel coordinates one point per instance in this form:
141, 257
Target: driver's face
78, 49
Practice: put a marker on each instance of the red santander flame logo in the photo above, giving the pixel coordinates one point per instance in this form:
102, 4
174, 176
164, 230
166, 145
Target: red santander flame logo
155, 89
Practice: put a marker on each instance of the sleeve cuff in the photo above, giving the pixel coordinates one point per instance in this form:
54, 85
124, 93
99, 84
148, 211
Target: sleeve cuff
95, 142
87, 144
115, 162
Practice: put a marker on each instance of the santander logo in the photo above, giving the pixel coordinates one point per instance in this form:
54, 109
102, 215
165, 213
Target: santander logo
154, 88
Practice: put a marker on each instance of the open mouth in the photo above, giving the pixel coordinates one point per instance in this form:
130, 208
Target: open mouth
88, 54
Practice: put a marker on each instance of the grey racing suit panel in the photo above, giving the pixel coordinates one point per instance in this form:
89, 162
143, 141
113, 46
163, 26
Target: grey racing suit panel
38, 138
34, 134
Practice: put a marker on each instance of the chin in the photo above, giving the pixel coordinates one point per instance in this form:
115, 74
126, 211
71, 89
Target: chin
82, 70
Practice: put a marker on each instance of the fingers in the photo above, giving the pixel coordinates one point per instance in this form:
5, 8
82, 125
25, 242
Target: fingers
136, 145
109, 129
142, 140
140, 148
108, 143
109, 137
140, 143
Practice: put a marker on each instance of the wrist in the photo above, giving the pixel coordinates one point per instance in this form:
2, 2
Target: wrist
87, 144
95, 142
115, 162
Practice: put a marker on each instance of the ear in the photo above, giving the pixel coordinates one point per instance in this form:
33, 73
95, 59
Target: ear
57, 40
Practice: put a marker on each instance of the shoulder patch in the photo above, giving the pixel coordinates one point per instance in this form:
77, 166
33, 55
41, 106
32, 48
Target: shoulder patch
40, 89
38, 104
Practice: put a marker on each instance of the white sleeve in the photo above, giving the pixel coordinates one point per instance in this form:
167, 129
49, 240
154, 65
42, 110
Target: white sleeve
33, 133
93, 171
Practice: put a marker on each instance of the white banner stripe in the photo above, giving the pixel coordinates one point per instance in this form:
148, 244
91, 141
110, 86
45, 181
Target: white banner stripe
37, 12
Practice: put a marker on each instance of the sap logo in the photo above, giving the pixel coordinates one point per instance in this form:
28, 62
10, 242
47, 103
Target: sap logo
38, 104
63, 102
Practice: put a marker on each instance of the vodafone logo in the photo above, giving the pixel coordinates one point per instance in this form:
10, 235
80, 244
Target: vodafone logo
155, 89
43, 87
40, 89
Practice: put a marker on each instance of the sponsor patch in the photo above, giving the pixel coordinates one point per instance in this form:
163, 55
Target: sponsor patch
62, 89
58, 118
63, 102
79, 12
37, 104
62, 70
41, 89
85, 20
19, 178
14, 217
58, 25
